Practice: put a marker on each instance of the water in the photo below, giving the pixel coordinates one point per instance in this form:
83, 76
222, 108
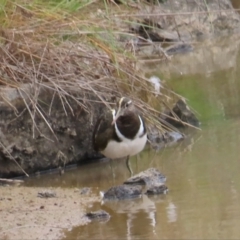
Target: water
235, 3
202, 172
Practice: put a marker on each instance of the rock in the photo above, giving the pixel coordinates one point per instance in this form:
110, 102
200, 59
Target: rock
99, 215
151, 177
85, 191
146, 204
123, 192
158, 35
179, 48
163, 189
183, 112
47, 194
149, 182
47, 142
161, 140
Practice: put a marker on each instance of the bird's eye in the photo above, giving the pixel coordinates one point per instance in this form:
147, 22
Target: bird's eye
128, 104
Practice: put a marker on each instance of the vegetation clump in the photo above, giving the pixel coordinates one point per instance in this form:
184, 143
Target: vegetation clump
77, 50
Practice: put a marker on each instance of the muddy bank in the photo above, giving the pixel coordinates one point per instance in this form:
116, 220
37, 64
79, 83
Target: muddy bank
60, 137
48, 213
24, 215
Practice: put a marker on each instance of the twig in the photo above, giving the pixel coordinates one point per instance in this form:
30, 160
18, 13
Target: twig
12, 158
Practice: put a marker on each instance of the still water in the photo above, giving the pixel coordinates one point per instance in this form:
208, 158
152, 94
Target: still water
202, 172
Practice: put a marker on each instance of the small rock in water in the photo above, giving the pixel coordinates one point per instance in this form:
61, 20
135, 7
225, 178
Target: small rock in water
167, 139
47, 194
148, 182
183, 112
150, 177
123, 192
99, 215
163, 189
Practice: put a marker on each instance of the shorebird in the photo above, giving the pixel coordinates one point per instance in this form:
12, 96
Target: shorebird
121, 133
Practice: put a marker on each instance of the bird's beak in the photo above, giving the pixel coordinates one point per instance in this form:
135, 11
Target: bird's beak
114, 120
116, 116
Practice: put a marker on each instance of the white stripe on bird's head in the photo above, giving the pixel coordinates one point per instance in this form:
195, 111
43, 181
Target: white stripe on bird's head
123, 104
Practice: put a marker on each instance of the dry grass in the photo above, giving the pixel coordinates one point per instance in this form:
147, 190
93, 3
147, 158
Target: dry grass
70, 47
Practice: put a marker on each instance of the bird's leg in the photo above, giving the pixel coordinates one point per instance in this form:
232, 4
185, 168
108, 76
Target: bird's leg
138, 158
129, 166
111, 165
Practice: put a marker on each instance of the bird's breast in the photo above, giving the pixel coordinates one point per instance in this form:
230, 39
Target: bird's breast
126, 147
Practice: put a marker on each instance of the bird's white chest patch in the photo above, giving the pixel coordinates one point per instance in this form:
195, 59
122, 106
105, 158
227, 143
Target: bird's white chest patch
125, 148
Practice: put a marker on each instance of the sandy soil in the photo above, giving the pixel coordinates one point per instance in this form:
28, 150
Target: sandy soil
24, 215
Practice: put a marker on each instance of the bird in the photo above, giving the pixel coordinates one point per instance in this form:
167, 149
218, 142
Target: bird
120, 133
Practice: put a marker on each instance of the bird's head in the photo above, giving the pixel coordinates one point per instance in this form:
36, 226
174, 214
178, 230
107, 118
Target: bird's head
124, 105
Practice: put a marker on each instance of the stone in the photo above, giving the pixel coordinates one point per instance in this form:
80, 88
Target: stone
99, 215
122, 192
150, 177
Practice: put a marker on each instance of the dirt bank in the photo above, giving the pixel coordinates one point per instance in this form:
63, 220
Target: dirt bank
24, 215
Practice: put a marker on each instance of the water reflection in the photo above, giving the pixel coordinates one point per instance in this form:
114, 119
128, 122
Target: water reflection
132, 208
171, 212
131, 219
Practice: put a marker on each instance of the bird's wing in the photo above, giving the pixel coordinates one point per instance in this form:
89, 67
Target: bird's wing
103, 131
